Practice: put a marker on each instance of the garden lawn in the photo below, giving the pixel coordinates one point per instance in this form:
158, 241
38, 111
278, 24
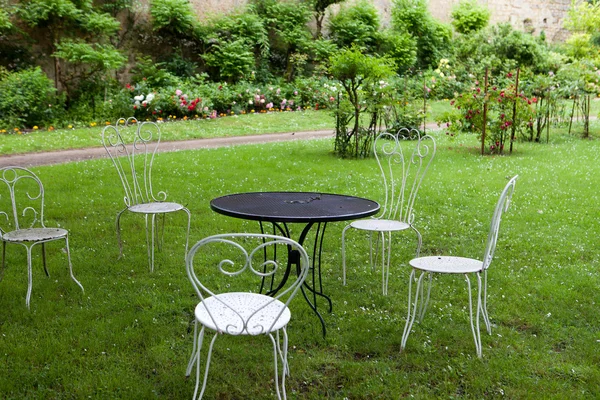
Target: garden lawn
129, 336
236, 125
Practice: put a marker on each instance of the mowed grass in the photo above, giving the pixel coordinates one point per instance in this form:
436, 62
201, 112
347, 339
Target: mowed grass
129, 336
238, 125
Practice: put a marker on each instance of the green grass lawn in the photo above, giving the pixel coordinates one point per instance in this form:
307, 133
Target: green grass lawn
129, 336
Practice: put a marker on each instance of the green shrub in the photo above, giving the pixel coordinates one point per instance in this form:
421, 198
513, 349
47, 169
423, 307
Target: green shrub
234, 60
355, 25
400, 47
468, 16
433, 38
174, 17
28, 99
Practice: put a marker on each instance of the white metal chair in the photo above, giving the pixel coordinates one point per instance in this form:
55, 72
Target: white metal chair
25, 219
402, 176
132, 147
460, 265
226, 271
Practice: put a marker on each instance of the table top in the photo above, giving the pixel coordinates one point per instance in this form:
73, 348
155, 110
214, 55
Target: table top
294, 206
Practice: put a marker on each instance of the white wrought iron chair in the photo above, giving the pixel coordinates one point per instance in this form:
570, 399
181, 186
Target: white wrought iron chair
227, 271
460, 265
132, 147
25, 219
402, 176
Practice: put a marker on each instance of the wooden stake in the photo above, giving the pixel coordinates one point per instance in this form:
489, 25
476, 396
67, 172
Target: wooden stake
513, 126
485, 99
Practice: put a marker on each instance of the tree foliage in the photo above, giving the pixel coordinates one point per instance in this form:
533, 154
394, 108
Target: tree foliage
357, 24
432, 37
468, 16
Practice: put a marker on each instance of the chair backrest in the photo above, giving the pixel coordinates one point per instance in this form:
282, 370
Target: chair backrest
132, 146
240, 262
21, 199
403, 164
501, 206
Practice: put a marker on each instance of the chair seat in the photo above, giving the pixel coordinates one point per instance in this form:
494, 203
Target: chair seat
34, 235
447, 264
379, 225
240, 310
158, 207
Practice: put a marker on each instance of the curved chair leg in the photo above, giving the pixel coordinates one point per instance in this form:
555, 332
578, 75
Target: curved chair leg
188, 370
150, 240
187, 235
275, 356
118, 227
410, 316
475, 326
486, 316
425, 297
344, 254
44, 259
29, 275
208, 356
283, 351
160, 231
71, 265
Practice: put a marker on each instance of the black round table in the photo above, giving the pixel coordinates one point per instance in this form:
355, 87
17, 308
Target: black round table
309, 208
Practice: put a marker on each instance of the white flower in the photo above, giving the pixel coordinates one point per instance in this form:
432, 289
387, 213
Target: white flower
250, 102
150, 97
139, 98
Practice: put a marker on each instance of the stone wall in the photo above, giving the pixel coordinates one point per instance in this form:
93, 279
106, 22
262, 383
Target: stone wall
528, 15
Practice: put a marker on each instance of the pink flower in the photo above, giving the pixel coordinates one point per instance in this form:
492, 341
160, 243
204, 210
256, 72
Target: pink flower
178, 92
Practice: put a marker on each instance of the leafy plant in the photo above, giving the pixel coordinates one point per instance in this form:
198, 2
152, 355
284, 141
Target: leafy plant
363, 79
175, 17
28, 99
468, 16
234, 60
432, 37
497, 113
357, 25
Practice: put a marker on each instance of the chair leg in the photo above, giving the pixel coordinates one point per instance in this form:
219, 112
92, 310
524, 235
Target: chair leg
475, 326
275, 356
371, 251
29, 276
425, 298
344, 254
410, 316
150, 240
160, 231
118, 228
44, 259
188, 370
208, 356
419, 241
71, 265
187, 235
486, 316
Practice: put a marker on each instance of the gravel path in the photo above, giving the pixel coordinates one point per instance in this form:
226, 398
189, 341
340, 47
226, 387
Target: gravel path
64, 156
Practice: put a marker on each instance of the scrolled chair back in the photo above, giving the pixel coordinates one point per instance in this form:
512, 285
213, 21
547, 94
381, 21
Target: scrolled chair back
132, 147
403, 159
242, 263
21, 199
501, 206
